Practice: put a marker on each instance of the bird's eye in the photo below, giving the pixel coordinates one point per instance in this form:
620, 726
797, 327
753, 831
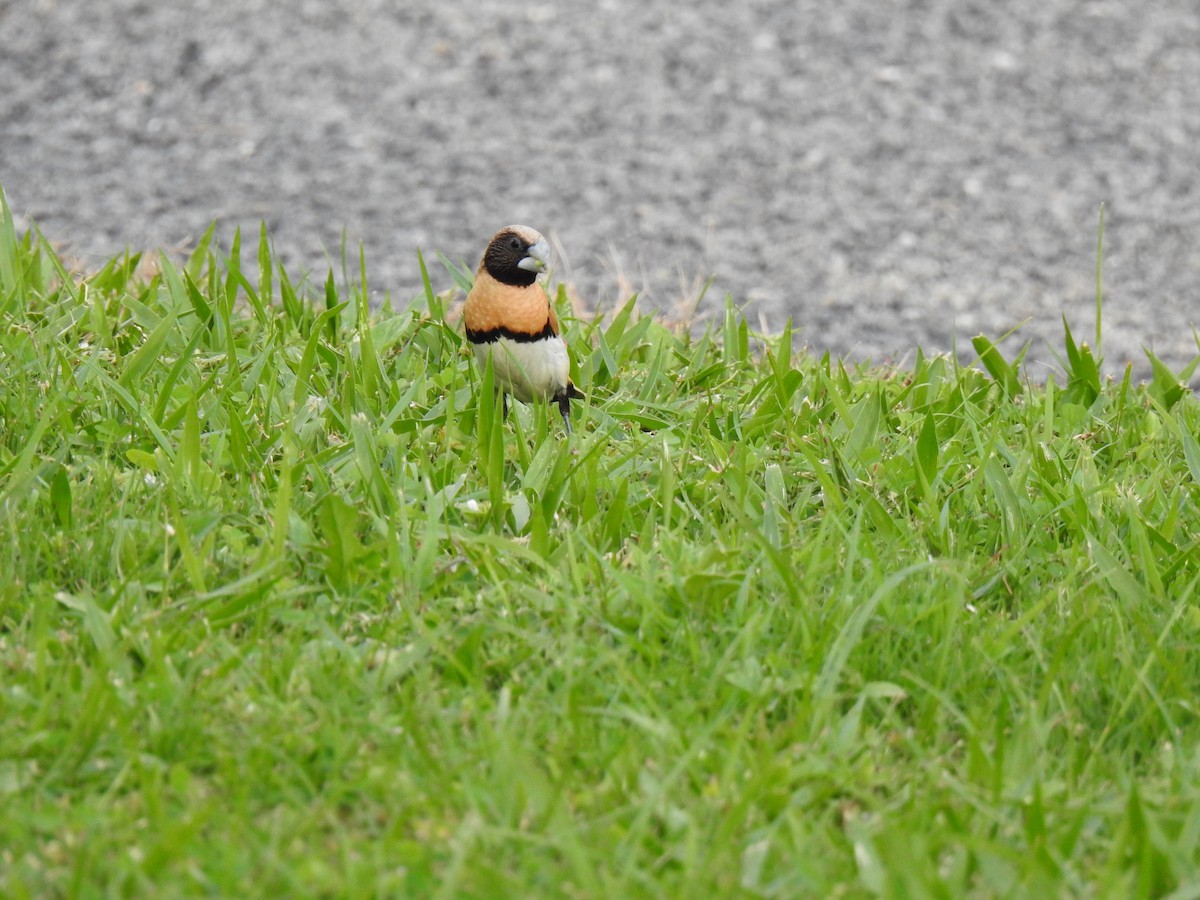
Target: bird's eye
514, 243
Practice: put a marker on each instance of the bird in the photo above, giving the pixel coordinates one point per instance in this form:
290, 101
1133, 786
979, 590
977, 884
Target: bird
508, 315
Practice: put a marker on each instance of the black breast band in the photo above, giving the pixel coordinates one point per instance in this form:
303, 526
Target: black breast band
522, 337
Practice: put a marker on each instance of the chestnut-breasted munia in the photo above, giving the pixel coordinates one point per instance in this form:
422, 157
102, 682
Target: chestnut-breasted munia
508, 315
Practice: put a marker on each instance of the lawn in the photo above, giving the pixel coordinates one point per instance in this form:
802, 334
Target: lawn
288, 609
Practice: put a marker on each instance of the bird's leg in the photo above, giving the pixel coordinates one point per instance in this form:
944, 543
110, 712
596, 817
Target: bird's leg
503, 405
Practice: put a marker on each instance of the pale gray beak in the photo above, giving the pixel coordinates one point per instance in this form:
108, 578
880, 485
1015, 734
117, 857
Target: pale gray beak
537, 257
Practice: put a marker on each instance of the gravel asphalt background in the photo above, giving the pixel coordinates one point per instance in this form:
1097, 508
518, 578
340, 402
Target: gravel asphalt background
888, 172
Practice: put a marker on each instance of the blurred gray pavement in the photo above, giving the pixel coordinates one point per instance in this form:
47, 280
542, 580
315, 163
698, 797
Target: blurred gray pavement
888, 172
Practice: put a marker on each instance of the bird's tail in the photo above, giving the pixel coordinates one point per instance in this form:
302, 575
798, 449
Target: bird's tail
564, 398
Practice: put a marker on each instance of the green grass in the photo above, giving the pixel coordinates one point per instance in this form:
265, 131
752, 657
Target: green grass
286, 608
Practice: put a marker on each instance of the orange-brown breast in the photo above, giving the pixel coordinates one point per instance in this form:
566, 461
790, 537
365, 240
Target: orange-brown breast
493, 304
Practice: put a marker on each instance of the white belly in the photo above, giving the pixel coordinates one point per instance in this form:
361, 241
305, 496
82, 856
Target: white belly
528, 370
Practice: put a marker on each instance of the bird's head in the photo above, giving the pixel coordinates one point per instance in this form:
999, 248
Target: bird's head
516, 255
